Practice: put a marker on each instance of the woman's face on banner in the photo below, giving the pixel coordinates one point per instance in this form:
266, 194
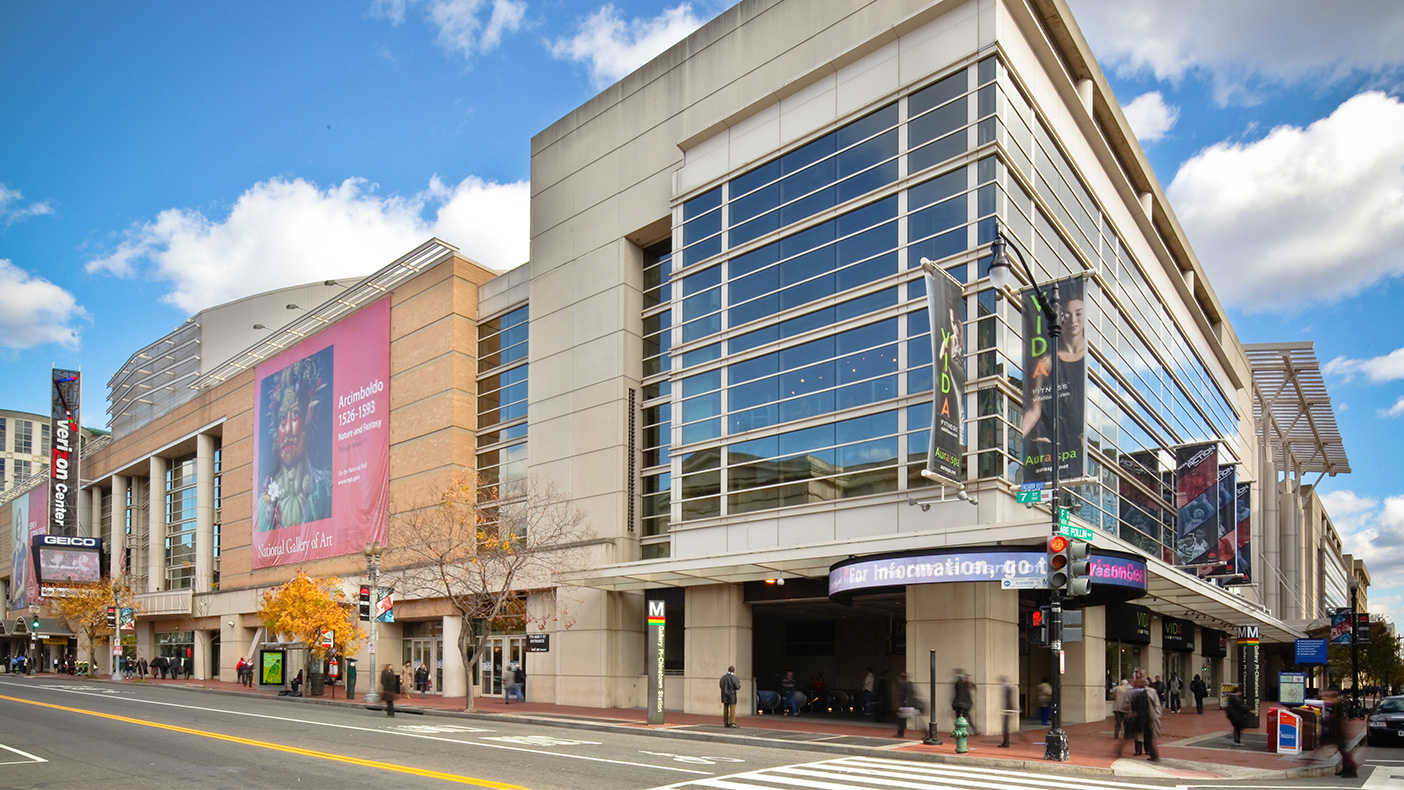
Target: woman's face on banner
1073, 319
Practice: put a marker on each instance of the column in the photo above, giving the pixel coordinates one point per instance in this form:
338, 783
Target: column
204, 667
972, 626
718, 636
455, 673
156, 527
1085, 682
119, 525
204, 512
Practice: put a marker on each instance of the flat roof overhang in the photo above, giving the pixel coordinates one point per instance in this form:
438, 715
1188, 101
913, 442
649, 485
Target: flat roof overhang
1169, 590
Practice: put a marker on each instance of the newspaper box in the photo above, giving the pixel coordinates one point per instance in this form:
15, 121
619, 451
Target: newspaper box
1284, 731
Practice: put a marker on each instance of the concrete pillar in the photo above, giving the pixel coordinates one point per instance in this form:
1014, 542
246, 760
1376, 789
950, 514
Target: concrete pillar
204, 512
204, 660
455, 682
718, 636
1085, 679
972, 626
606, 649
119, 525
156, 527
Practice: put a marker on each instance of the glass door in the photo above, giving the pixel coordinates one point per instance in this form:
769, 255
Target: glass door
429, 651
502, 653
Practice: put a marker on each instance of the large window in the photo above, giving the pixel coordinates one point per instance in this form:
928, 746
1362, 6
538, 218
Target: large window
795, 308
180, 523
502, 405
24, 436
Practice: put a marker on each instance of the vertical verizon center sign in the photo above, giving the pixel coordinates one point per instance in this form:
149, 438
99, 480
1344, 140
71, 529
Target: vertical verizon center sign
63, 459
322, 443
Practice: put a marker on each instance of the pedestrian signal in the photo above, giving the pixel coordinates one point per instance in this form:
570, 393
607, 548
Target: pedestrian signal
365, 603
111, 617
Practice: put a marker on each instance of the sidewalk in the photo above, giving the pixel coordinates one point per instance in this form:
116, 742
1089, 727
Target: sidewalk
1192, 746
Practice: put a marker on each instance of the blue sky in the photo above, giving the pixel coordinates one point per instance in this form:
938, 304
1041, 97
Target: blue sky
157, 158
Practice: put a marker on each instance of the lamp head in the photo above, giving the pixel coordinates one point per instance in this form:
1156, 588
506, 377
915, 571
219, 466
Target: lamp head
1001, 271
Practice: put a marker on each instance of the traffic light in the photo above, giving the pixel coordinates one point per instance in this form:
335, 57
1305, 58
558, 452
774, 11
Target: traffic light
1079, 567
36, 623
111, 617
365, 603
1038, 625
1058, 562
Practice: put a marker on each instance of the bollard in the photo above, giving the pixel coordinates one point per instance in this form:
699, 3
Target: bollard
962, 734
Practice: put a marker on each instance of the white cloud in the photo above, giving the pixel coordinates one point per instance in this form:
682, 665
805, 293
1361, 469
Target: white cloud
34, 311
1373, 531
613, 47
1302, 216
1150, 117
1246, 44
1397, 410
460, 22
13, 209
281, 233
1389, 367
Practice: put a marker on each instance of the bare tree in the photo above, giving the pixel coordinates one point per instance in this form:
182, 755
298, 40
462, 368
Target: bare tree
484, 557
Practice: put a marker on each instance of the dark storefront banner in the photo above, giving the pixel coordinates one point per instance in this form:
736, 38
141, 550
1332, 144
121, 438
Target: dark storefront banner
64, 453
1197, 504
322, 443
1176, 634
1128, 623
1017, 569
1070, 358
1213, 644
945, 305
1242, 562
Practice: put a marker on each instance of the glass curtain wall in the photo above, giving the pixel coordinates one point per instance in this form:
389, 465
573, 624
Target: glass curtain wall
502, 406
792, 345
180, 523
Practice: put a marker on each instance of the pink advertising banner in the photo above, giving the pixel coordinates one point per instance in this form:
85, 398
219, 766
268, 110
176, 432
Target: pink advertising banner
322, 443
29, 515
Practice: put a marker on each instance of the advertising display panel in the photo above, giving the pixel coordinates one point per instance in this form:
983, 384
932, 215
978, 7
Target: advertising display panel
61, 559
1242, 563
28, 517
945, 305
1197, 504
64, 453
322, 443
1070, 358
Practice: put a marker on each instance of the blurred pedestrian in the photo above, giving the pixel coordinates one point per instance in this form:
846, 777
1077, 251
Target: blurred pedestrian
962, 699
1174, 687
1043, 693
1199, 689
1237, 712
1336, 734
388, 683
908, 706
1121, 709
1009, 697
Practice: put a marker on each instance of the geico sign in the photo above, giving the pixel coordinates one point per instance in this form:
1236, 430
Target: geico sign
64, 540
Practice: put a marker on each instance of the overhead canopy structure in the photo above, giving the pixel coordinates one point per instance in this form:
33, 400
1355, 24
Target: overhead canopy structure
1293, 411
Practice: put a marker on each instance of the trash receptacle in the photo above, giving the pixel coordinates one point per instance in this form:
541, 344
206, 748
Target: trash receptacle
350, 678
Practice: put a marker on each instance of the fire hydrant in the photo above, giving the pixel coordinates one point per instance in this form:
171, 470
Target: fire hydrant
961, 733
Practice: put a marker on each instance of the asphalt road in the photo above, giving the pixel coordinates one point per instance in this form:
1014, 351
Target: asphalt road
57, 733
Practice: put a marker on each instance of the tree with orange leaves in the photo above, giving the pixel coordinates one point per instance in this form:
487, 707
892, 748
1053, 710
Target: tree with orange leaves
84, 607
306, 607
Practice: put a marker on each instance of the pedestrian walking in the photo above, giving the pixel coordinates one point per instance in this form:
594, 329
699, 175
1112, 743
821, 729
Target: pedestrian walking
1336, 734
421, 680
962, 699
908, 706
388, 683
730, 684
788, 691
1144, 718
1009, 697
404, 684
1121, 709
1237, 712
519, 681
1199, 689
868, 689
1043, 694
1175, 686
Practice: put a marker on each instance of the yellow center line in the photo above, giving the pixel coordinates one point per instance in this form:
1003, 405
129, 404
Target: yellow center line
281, 748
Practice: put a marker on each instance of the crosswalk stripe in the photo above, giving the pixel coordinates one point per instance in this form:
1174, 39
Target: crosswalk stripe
863, 773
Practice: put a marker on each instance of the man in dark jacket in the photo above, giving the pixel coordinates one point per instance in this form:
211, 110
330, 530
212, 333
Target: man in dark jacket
730, 684
388, 678
961, 702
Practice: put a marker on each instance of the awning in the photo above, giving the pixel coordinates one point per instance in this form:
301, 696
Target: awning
1170, 591
1294, 410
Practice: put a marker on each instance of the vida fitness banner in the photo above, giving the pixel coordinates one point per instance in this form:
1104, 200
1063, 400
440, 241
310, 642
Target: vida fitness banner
1070, 361
945, 305
322, 443
1197, 502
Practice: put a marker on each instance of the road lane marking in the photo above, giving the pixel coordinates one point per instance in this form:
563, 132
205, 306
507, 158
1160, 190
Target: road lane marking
392, 731
278, 747
32, 758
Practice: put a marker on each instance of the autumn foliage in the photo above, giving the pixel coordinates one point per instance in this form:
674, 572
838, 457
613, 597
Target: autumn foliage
84, 607
305, 607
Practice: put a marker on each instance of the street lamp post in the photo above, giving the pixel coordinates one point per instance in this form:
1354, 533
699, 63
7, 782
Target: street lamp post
1354, 645
1002, 277
372, 552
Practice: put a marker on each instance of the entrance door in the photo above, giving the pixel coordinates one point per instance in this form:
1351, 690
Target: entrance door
503, 651
429, 651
